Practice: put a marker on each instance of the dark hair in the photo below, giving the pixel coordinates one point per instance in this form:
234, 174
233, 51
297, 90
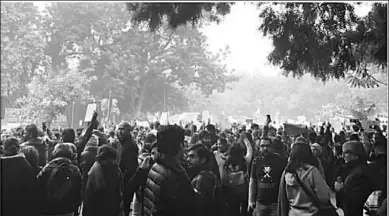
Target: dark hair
188, 132
31, 154
211, 128
337, 138
354, 137
312, 137
68, 135
202, 151
204, 134
150, 138
112, 133
235, 157
32, 130
106, 152
300, 154
170, 139
222, 135
301, 139
194, 128
11, 146
223, 141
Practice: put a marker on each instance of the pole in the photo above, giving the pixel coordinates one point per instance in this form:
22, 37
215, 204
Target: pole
164, 98
72, 126
109, 107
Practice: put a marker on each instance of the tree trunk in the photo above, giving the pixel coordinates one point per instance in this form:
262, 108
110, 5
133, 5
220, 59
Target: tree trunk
137, 106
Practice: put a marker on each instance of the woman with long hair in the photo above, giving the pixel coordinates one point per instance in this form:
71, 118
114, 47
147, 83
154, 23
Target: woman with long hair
301, 173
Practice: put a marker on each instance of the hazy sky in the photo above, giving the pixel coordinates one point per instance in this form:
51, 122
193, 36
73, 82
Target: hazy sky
239, 30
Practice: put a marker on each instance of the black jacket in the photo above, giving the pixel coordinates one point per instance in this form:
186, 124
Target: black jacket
19, 188
168, 191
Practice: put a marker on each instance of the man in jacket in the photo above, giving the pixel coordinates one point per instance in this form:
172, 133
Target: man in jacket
127, 160
354, 185
265, 178
168, 188
205, 181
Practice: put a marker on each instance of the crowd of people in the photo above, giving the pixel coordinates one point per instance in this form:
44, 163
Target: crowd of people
172, 170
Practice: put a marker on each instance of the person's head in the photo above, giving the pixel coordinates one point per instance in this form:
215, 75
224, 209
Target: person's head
112, 133
150, 138
278, 146
106, 153
353, 150
170, 140
31, 131
211, 129
301, 139
354, 137
65, 150
316, 149
68, 135
205, 137
11, 146
198, 155
380, 145
312, 137
222, 145
124, 131
195, 138
79, 131
265, 146
235, 156
300, 155
31, 155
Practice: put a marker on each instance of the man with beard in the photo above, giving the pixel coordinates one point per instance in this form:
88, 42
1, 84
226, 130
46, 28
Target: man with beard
205, 181
265, 178
127, 160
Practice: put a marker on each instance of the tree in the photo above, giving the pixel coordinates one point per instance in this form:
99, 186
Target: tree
177, 13
22, 49
326, 40
49, 95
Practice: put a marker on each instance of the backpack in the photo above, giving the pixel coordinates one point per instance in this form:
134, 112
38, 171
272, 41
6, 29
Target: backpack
60, 187
219, 204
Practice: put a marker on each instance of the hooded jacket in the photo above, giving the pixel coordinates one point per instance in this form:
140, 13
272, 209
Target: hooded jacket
292, 199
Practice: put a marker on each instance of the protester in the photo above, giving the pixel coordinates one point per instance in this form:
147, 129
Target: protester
205, 181
18, 181
168, 188
41, 146
104, 188
32, 156
300, 173
60, 183
265, 178
353, 186
127, 160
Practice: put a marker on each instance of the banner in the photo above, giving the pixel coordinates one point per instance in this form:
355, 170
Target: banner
89, 112
295, 129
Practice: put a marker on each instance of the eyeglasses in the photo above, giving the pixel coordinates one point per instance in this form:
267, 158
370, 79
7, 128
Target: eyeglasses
192, 156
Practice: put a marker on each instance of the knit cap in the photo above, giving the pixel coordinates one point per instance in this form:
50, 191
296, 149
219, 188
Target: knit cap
355, 148
318, 148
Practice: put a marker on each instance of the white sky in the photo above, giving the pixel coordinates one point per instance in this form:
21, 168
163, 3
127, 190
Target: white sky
249, 49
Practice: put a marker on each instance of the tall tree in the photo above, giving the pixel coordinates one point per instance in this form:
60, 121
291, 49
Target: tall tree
22, 49
326, 39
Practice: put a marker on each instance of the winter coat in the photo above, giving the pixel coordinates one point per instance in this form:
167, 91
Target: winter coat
356, 188
292, 199
87, 160
103, 193
19, 187
168, 190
